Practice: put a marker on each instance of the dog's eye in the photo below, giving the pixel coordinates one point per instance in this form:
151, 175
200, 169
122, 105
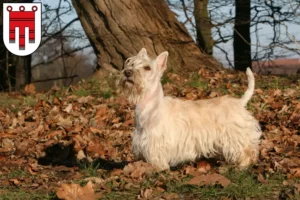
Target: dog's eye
147, 68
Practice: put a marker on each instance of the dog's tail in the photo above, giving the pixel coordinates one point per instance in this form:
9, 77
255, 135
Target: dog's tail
249, 92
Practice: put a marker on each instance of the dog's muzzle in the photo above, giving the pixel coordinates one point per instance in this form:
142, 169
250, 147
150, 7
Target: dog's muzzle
128, 73
127, 78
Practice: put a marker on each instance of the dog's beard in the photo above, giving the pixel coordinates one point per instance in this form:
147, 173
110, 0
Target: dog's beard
132, 89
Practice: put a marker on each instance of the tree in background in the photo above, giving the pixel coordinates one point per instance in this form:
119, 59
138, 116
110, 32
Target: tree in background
119, 29
16, 71
276, 16
203, 26
241, 36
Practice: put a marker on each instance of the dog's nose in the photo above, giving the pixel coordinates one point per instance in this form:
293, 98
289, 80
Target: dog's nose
128, 73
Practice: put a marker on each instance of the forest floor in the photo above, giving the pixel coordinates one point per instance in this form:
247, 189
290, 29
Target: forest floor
76, 142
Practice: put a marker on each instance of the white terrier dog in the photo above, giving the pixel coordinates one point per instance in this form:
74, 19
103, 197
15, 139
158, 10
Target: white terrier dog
170, 131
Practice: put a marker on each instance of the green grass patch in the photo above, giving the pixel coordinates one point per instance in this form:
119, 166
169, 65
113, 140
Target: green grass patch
277, 82
244, 185
16, 174
81, 92
107, 94
20, 194
90, 169
165, 79
95, 87
198, 83
120, 195
7, 101
29, 101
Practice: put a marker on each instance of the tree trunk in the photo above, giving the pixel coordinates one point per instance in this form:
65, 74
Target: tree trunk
242, 41
23, 71
3, 79
119, 29
203, 26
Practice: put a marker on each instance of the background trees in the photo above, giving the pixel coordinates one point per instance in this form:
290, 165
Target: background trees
119, 29
241, 35
236, 33
61, 39
203, 26
273, 29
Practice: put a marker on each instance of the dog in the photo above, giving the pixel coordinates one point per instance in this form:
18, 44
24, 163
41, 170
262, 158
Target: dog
170, 131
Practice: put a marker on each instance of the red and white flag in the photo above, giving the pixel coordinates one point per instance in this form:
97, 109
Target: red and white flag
22, 27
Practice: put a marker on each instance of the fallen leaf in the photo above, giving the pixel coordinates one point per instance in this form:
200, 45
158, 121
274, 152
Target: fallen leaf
210, 179
213, 94
56, 133
294, 173
94, 180
259, 91
261, 179
146, 193
80, 155
297, 188
285, 183
138, 169
171, 196
76, 192
290, 92
277, 92
15, 181
203, 166
191, 96
85, 99
29, 89
68, 108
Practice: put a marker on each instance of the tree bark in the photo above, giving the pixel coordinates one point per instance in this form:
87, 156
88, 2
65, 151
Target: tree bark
119, 29
242, 41
23, 71
3, 79
203, 26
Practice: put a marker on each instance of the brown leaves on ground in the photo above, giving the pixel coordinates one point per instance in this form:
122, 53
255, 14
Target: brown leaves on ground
29, 89
76, 192
138, 169
210, 179
46, 141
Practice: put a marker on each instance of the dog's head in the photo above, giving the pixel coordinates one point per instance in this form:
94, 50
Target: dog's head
141, 73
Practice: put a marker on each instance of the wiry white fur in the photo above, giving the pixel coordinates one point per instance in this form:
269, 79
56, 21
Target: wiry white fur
251, 84
170, 131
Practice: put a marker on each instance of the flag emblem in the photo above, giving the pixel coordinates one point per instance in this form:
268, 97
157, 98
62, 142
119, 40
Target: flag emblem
22, 27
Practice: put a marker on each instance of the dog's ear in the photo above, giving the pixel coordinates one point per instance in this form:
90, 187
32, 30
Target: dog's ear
142, 53
161, 61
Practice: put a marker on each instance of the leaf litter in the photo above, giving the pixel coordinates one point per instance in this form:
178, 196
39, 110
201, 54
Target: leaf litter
80, 147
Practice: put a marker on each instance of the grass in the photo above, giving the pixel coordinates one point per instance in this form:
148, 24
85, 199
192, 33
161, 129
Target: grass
107, 94
20, 194
198, 83
29, 101
7, 101
278, 82
120, 195
81, 92
244, 185
90, 169
14, 193
17, 174
15, 102
165, 79
95, 87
